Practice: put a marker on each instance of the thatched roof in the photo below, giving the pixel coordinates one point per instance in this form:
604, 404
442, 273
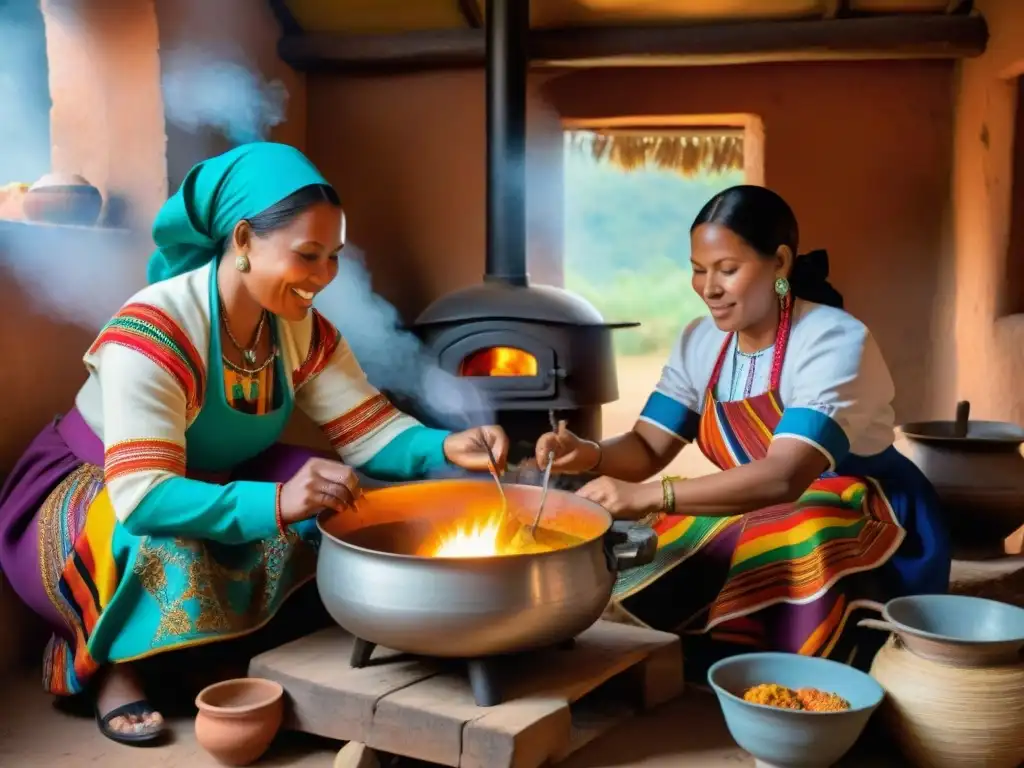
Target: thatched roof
689, 152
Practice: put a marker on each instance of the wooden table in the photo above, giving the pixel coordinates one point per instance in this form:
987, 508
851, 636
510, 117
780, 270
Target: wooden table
556, 701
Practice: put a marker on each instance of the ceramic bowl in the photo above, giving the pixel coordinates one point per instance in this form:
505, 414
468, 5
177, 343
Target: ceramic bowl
787, 738
955, 629
238, 719
63, 199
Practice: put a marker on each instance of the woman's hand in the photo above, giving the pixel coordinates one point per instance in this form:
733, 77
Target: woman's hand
572, 454
626, 501
469, 449
320, 484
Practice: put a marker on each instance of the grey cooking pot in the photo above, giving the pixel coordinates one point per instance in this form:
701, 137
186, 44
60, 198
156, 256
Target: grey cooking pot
376, 587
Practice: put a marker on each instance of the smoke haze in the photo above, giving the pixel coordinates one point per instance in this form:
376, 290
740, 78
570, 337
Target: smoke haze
205, 91
82, 276
394, 358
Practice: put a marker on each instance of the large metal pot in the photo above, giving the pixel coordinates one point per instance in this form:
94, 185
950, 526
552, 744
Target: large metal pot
977, 468
376, 589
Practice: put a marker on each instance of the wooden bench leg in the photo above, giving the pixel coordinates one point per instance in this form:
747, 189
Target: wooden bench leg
356, 755
1015, 543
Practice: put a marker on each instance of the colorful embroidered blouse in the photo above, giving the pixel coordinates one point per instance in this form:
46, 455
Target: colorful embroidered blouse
148, 382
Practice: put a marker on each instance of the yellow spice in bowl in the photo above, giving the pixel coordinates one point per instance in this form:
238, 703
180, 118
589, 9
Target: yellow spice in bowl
805, 699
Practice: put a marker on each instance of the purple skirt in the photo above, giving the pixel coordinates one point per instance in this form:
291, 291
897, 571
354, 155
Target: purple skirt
57, 451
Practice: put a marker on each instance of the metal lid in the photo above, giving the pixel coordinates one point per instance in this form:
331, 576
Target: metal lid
501, 301
979, 433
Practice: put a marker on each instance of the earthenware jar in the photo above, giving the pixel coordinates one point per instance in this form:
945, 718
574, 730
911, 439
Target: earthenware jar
59, 198
977, 467
944, 716
238, 719
953, 673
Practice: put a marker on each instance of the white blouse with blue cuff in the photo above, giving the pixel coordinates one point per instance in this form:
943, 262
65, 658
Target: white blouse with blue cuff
835, 387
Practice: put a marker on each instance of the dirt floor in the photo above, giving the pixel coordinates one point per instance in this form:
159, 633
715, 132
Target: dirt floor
686, 733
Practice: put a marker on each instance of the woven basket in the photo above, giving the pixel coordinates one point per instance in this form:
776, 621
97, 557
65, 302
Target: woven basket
951, 717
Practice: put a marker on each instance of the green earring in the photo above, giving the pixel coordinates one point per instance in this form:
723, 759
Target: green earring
782, 287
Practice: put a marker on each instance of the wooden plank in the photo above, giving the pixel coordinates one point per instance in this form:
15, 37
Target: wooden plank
661, 676
835, 8
521, 733
356, 755
899, 36
1014, 544
327, 696
472, 13
437, 719
592, 717
555, 701
425, 720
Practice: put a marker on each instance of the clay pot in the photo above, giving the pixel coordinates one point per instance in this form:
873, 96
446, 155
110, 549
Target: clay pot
956, 630
977, 469
63, 199
238, 719
947, 716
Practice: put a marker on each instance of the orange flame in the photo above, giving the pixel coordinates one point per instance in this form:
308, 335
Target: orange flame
499, 361
475, 537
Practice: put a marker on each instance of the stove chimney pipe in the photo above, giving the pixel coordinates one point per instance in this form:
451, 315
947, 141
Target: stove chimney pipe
508, 29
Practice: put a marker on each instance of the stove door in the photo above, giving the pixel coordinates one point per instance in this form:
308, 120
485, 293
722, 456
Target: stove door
512, 364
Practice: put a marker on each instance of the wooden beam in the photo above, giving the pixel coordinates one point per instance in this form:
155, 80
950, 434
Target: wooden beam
434, 49
470, 10
879, 37
835, 9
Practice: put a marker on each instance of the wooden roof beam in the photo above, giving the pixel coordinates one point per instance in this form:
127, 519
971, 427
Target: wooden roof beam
470, 10
836, 8
879, 37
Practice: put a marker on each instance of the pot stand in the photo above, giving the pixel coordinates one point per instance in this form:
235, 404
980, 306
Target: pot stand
485, 674
555, 703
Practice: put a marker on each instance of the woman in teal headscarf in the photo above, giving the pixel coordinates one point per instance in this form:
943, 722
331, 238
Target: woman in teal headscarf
161, 512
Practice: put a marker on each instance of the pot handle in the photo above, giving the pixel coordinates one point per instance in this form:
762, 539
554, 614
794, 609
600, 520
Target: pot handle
629, 545
885, 626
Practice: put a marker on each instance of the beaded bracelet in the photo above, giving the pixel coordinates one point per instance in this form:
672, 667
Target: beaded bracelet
278, 518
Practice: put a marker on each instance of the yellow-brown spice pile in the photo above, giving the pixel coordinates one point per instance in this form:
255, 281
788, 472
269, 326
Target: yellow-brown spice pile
806, 699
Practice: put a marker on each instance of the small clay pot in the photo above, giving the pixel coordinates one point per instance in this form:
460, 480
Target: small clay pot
238, 719
63, 199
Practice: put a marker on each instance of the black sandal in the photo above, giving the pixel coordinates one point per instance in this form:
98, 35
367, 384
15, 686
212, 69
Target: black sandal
139, 708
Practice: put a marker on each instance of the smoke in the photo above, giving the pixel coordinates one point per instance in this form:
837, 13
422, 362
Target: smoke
24, 94
78, 275
393, 358
205, 91
82, 275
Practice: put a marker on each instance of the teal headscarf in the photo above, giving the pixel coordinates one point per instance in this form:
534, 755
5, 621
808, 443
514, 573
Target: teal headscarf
193, 226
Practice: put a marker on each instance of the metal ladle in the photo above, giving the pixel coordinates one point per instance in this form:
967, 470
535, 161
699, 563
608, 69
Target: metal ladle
528, 536
543, 493
492, 465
